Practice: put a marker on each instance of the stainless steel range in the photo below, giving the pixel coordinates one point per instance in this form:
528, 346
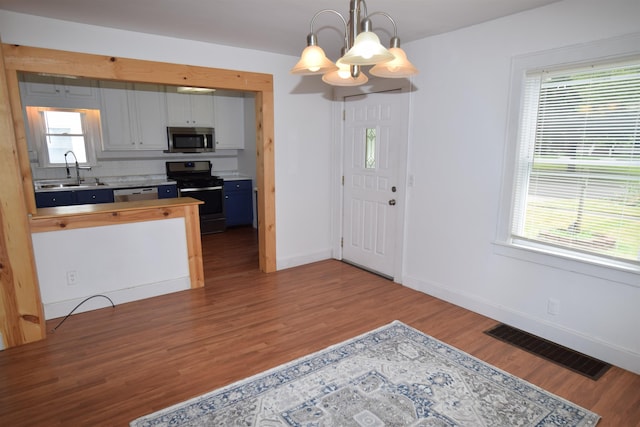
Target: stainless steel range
194, 179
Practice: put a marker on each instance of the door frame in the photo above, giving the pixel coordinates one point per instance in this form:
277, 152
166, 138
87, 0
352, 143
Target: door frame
39, 60
375, 85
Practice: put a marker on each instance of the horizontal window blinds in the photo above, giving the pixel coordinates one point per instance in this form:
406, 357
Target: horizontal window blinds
578, 174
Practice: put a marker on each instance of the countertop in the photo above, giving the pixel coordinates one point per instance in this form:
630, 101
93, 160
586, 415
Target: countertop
70, 185
231, 176
132, 181
110, 208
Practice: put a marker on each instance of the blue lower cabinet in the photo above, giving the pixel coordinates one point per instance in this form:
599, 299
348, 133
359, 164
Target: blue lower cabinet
49, 199
86, 197
238, 202
54, 198
168, 191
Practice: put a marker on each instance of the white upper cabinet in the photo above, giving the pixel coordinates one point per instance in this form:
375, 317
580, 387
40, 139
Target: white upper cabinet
229, 121
49, 91
189, 110
133, 117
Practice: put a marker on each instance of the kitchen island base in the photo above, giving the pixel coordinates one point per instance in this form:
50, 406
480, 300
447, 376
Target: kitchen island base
127, 250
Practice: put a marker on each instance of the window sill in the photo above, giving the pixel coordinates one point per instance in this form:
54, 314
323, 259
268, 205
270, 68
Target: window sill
616, 273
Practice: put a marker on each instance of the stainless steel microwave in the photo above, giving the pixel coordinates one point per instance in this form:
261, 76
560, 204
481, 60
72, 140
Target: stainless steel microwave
191, 139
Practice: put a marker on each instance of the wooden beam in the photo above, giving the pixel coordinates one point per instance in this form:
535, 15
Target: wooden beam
18, 266
21, 314
38, 60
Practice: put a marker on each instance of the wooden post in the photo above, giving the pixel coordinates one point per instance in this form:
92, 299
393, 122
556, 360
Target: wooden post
21, 314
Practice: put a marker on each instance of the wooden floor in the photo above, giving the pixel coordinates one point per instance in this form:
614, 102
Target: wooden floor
110, 366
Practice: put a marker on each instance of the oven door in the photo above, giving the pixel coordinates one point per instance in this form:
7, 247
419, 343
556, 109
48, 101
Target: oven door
211, 196
212, 218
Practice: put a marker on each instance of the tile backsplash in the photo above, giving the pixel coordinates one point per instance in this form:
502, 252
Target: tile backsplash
113, 168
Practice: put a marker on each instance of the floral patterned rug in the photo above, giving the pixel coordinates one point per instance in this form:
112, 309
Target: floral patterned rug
392, 376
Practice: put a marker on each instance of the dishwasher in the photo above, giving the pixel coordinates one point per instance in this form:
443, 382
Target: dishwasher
133, 194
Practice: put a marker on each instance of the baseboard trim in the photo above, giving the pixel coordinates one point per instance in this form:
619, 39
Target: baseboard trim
608, 352
284, 263
62, 308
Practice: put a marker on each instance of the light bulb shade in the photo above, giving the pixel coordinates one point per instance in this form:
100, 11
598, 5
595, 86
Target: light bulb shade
398, 68
342, 76
367, 50
313, 61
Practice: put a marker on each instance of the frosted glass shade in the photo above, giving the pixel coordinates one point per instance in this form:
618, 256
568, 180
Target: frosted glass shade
342, 76
313, 61
367, 50
397, 68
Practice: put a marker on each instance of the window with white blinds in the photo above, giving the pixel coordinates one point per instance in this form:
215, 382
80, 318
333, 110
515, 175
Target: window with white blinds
577, 184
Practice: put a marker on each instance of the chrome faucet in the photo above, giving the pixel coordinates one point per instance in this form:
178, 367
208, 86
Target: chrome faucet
66, 164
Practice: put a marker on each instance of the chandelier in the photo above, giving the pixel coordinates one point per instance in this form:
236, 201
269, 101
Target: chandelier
361, 47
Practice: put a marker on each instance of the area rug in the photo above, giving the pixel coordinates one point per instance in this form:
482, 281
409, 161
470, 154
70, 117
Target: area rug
392, 376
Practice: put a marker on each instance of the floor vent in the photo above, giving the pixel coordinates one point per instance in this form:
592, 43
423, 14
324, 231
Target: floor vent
570, 359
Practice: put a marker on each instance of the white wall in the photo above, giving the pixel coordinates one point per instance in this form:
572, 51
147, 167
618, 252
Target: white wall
125, 262
458, 129
457, 140
302, 116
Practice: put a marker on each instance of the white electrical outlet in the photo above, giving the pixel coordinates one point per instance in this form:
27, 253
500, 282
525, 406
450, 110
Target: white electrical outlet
553, 306
72, 278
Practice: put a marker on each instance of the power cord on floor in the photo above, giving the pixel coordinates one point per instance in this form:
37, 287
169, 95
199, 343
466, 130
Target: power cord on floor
76, 307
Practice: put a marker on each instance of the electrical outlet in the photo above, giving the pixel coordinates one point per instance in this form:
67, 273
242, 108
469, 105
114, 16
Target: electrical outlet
553, 306
72, 278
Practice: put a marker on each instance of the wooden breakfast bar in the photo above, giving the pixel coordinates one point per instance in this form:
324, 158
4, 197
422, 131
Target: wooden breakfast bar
85, 216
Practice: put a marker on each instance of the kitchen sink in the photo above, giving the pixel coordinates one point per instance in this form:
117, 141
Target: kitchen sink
68, 185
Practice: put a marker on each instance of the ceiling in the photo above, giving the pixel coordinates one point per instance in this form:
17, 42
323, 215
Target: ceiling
278, 26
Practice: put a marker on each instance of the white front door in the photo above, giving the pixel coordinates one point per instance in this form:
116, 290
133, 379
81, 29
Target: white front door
374, 143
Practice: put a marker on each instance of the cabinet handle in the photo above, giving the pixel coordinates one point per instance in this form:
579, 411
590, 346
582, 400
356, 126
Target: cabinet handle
226, 197
93, 196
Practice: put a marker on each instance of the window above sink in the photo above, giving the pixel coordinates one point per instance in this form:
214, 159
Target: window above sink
56, 131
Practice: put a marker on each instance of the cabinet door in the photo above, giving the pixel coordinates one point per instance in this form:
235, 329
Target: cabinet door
116, 124
238, 202
48, 91
150, 111
40, 86
189, 110
229, 121
178, 108
167, 191
54, 198
202, 110
79, 89
94, 196
134, 117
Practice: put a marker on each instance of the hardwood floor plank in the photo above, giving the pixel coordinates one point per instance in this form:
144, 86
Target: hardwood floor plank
110, 366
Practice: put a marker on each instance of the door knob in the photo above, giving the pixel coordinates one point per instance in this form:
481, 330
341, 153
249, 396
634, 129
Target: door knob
392, 202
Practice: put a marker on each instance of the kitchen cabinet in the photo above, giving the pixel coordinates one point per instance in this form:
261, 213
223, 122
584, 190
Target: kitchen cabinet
189, 110
133, 117
48, 199
238, 202
229, 120
54, 198
49, 91
167, 191
93, 196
